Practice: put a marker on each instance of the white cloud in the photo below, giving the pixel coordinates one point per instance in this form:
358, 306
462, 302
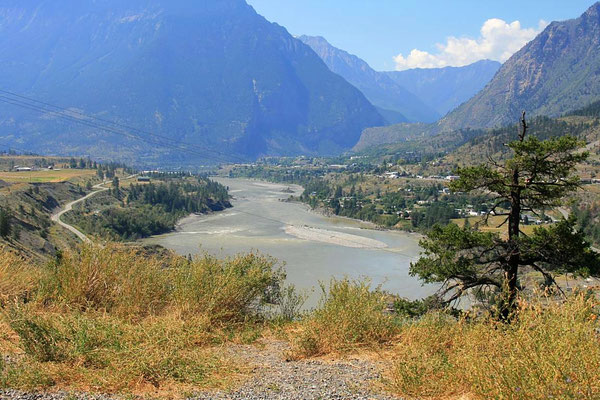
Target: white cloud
498, 41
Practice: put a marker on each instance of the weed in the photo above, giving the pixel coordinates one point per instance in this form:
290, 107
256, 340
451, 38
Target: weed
349, 316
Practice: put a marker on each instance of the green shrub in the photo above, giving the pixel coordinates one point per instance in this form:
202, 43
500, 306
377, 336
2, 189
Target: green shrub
38, 337
227, 291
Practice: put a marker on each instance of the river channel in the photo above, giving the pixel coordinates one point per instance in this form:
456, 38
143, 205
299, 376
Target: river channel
313, 247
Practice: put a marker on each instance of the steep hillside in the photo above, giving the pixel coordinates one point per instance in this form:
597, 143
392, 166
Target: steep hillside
444, 89
397, 133
28, 207
557, 72
213, 73
380, 89
493, 143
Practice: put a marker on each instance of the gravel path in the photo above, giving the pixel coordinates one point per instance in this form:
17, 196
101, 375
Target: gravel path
274, 378
18, 395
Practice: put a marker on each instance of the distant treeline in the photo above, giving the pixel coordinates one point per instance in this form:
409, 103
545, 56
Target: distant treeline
592, 110
387, 209
542, 127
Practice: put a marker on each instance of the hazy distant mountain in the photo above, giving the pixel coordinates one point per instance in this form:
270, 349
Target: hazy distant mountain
444, 89
209, 72
380, 89
557, 72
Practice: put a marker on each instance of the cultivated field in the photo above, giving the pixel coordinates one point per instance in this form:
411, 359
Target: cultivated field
45, 176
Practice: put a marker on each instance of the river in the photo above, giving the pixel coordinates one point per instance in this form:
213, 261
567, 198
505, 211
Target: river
313, 247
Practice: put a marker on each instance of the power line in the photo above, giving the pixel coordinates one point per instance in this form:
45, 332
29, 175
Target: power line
116, 128
130, 128
66, 117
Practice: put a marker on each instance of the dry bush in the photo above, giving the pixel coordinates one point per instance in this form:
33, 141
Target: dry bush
87, 351
113, 279
548, 352
349, 316
226, 291
17, 278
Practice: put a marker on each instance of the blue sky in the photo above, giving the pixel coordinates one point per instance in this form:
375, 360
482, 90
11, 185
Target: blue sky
380, 30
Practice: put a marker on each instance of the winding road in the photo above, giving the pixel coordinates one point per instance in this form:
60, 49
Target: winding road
99, 188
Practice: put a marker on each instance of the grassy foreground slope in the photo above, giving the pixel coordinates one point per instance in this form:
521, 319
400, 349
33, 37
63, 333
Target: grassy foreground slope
114, 320
118, 320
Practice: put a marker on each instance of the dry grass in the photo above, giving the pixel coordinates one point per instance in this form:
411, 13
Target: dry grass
46, 176
112, 320
550, 352
350, 317
99, 353
494, 222
17, 277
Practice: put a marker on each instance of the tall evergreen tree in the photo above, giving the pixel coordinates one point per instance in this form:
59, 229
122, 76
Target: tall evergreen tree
116, 191
535, 178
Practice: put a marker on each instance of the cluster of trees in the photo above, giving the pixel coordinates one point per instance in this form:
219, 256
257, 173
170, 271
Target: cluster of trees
82, 163
103, 170
435, 214
588, 220
108, 171
143, 210
128, 223
592, 110
181, 196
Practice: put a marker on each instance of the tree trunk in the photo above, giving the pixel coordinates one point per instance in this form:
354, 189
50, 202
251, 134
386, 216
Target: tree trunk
514, 258
511, 270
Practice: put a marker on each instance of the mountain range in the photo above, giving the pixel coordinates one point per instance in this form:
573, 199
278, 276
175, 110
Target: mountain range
444, 89
557, 72
420, 95
210, 73
212, 80
380, 89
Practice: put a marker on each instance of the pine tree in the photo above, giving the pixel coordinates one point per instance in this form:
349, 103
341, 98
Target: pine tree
5, 223
115, 184
537, 176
